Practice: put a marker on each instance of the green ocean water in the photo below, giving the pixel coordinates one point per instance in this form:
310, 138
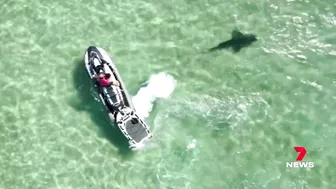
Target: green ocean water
242, 113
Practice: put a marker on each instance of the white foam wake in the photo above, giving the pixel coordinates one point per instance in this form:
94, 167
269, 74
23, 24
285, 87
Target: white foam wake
159, 85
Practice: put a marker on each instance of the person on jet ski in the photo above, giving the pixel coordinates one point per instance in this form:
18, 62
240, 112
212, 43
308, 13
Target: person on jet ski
105, 80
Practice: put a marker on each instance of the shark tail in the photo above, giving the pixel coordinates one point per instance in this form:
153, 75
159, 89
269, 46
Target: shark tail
212, 49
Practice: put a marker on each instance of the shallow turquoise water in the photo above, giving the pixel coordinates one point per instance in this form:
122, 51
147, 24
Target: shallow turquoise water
246, 111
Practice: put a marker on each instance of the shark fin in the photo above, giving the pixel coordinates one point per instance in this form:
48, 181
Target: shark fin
236, 48
236, 34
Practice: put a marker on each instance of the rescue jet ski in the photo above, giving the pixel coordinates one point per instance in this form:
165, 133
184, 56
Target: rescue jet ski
116, 99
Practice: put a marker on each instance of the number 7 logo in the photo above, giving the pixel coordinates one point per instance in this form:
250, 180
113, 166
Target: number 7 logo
302, 152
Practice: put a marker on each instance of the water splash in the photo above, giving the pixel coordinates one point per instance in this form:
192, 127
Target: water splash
192, 144
159, 85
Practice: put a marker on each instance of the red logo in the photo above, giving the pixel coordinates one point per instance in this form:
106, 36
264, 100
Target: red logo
302, 152
299, 163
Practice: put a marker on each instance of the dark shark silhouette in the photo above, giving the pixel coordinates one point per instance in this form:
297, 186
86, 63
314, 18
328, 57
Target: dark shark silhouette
237, 42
